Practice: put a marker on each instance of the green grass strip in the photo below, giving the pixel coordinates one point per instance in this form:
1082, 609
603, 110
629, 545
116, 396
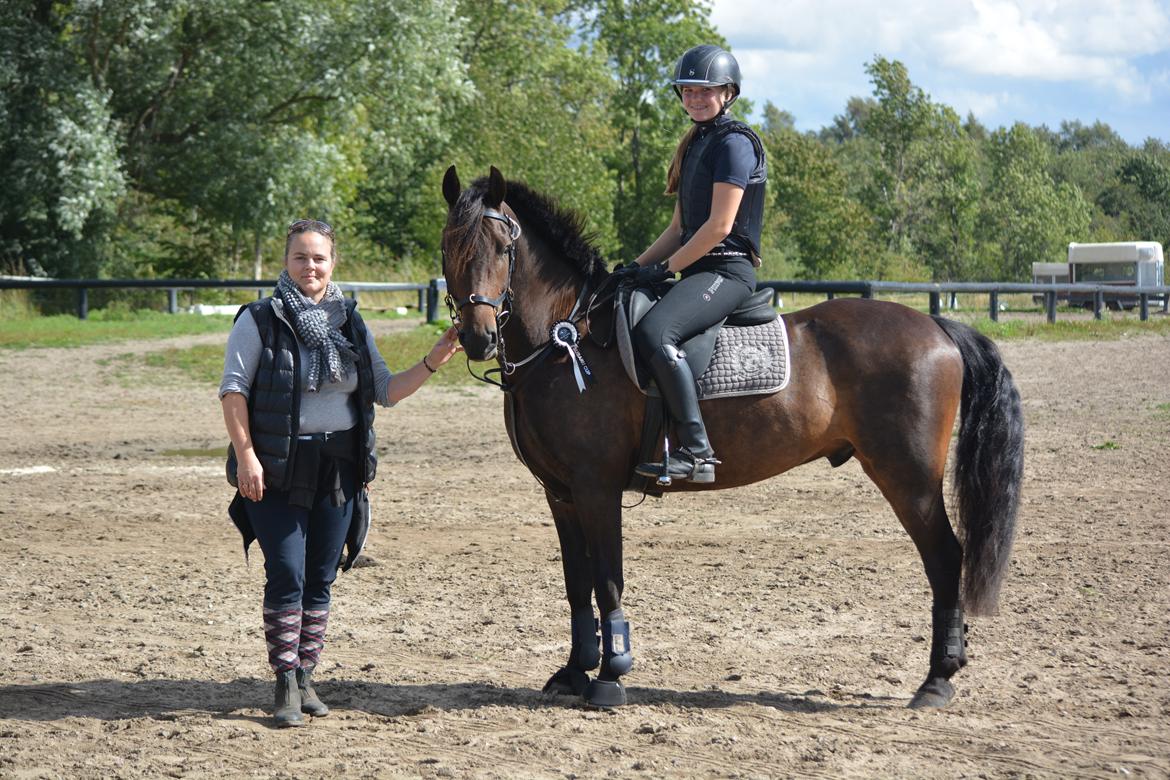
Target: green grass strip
64, 330
204, 363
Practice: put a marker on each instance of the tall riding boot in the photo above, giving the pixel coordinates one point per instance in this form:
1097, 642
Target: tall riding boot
693, 459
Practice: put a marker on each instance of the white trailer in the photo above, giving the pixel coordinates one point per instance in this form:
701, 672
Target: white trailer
1120, 264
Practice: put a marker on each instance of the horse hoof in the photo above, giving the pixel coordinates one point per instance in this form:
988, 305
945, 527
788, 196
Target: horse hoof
567, 682
605, 693
934, 693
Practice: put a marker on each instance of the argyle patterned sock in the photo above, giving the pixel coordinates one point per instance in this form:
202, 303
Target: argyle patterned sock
312, 636
282, 630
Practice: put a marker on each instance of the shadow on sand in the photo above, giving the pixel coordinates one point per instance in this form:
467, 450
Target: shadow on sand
168, 699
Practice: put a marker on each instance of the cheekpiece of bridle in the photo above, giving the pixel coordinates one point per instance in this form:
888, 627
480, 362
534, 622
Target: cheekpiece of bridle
500, 304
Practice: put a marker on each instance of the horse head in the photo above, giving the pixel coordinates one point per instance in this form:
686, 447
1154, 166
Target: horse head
479, 255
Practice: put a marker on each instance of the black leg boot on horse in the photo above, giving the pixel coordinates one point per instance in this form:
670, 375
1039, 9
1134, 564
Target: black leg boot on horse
693, 459
606, 689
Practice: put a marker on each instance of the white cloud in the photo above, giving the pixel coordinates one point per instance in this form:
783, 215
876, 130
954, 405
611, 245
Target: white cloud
1066, 41
986, 56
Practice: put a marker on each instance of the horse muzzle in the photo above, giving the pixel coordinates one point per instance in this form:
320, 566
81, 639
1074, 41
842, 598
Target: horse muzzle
479, 344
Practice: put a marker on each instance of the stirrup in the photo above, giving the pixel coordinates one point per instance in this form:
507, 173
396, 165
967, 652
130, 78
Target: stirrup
680, 464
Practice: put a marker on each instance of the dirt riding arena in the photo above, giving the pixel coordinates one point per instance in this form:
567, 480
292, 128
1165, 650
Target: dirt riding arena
778, 630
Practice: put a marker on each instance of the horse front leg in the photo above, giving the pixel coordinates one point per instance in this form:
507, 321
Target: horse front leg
584, 653
600, 512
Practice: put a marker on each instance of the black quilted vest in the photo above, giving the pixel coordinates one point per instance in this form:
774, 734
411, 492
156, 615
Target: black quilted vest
697, 184
274, 411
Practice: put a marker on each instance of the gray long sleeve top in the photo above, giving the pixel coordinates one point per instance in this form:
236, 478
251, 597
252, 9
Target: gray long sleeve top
332, 408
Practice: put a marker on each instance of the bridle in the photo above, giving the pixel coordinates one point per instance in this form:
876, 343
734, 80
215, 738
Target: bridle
502, 306
502, 302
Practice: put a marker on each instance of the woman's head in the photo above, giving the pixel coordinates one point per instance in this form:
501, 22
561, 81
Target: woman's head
707, 70
706, 80
310, 255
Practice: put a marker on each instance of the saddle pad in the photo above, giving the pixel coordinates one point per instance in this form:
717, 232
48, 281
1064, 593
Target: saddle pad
748, 360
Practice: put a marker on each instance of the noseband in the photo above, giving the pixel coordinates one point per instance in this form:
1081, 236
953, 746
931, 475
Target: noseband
504, 299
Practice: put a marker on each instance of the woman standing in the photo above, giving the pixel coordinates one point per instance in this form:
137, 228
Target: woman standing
300, 380
718, 174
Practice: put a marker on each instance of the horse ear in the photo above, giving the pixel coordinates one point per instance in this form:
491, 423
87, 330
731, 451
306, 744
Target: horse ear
451, 187
497, 188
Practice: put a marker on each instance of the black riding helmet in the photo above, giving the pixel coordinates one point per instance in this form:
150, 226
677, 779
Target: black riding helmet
706, 66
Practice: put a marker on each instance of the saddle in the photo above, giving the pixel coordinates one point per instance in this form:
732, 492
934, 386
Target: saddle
745, 354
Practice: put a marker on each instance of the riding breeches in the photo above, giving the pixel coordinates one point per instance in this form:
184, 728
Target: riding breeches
694, 303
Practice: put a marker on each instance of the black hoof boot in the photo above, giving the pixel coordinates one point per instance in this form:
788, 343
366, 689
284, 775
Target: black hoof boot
567, 681
605, 693
311, 704
936, 692
286, 709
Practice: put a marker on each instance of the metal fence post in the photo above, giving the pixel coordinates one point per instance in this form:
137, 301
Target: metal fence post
993, 305
82, 303
421, 298
1144, 306
432, 301
1098, 304
1050, 306
172, 301
935, 307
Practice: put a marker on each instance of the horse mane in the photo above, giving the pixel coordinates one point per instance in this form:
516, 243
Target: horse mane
561, 228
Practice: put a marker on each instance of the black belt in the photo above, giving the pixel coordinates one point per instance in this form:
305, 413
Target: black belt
324, 435
335, 443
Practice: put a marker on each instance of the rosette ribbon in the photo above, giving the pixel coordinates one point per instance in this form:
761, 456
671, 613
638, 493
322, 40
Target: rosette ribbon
565, 336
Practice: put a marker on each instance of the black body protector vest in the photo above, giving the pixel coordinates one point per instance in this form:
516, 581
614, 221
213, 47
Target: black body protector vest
274, 401
697, 184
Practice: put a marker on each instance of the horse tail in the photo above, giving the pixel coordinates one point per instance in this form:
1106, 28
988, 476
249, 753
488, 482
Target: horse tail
989, 466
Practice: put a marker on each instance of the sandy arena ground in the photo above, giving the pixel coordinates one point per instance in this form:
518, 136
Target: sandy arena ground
778, 630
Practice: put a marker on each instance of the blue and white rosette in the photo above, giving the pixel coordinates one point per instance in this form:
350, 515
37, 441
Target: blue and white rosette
564, 335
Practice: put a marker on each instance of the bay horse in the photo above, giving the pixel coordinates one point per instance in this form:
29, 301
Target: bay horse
872, 380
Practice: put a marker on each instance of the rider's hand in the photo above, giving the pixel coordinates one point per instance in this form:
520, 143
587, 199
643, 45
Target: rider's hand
643, 274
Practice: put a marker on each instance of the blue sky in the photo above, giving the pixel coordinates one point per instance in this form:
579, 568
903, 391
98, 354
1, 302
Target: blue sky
1035, 61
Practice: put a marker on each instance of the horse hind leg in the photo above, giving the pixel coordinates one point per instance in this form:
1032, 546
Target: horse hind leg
918, 503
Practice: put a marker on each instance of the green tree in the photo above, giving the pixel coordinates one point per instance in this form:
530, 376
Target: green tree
1028, 216
810, 207
641, 40
916, 173
58, 149
1140, 194
238, 114
949, 190
538, 112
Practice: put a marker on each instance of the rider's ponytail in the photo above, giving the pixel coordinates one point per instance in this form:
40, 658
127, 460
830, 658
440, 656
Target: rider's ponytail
675, 170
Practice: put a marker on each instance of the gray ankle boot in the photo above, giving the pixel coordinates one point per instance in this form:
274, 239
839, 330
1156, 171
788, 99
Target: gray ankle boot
287, 708
310, 703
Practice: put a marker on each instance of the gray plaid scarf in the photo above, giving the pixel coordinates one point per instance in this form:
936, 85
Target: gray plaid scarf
318, 327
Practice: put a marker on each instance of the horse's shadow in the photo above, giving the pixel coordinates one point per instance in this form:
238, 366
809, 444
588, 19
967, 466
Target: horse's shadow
168, 699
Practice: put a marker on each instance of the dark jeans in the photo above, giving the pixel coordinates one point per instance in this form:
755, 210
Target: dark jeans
693, 304
302, 547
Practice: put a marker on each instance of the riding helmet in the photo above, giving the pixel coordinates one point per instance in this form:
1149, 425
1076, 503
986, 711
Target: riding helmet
706, 66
